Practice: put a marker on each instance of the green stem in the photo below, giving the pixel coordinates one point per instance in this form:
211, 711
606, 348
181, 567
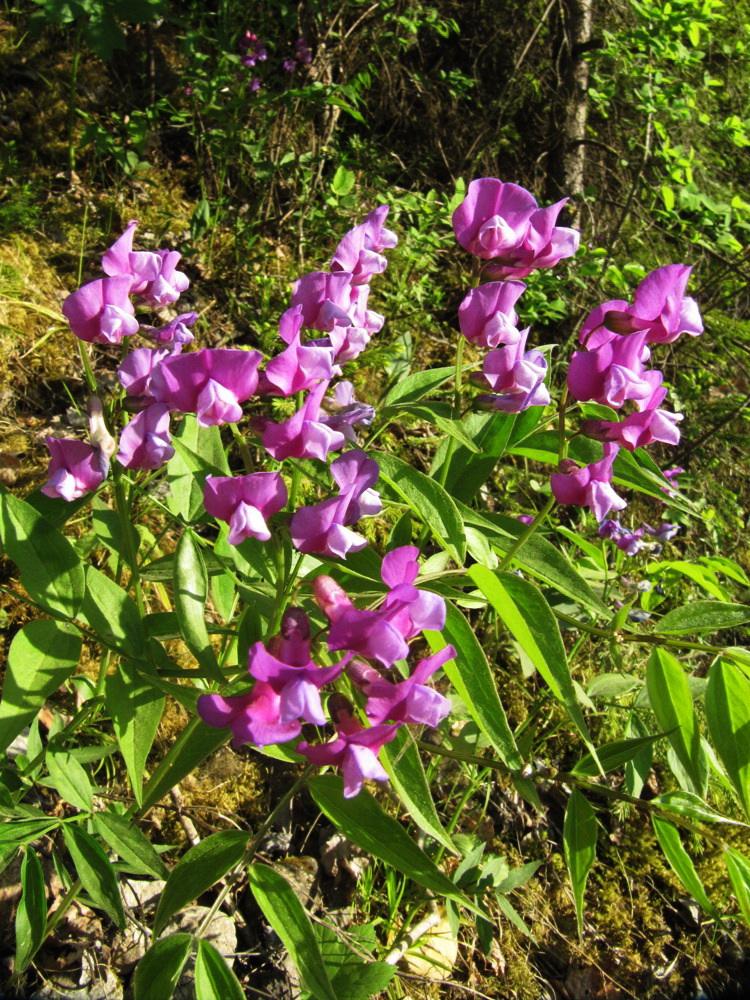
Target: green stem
526, 535
131, 553
451, 443
247, 458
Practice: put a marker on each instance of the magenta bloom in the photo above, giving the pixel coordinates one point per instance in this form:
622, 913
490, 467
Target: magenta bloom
253, 718
345, 412
101, 311
297, 685
210, 383
502, 223
589, 486
613, 372
146, 443
153, 276
664, 533
360, 252
517, 375
175, 331
136, 370
409, 701
305, 434
639, 429
245, 503
300, 366
324, 528
355, 751
487, 317
74, 469
325, 299
659, 308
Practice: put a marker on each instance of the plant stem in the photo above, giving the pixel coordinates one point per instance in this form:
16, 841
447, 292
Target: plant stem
526, 535
247, 458
131, 553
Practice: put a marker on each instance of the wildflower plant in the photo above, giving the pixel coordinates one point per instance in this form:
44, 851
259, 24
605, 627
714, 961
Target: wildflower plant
318, 646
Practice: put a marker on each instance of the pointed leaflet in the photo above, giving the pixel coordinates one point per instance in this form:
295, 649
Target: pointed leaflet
136, 707
612, 755
198, 453
42, 656
414, 387
579, 840
131, 844
428, 500
95, 872
672, 703
401, 760
352, 978
190, 594
159, 970
70, 779
529, 619
214, 979
738, 868
469, 471
31, 916
197, 870
727, 702
470, 675
113, 615
287, 916
363, 821
704, 616
50, 568
681, 863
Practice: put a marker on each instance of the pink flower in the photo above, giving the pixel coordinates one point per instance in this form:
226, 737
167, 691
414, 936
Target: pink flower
300, 366
345, 412
101, 311
502, 223
245, 503
409, 701
590, 486
639, 429
210, 383
253, 718
355, 751
175, 331
153, 276
613, 372
360, 252
136, 370
487, 317
325, 299
146, 443
305, 434
74, 469
517, 374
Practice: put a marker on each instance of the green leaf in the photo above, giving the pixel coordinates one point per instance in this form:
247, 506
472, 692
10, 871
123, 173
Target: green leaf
514, 916
538, 557
738, 868
214, 979
197, 870
25, 831
471, 676
612, 685
287, 916
343, 181
70, 779
692, 807
363, 821
95, 872
108, 529
131, 844
704, 616
113, 615
727, 702
638, 769
31, 915
41, 657
49, 567
579, 841
681, 863
469, 470
437, 413
428, 500
190, 595
136, 707
529, 618
414, 387
196, 742
198, 453
672, 704
352, 978
402, 762
159, 970
613, 755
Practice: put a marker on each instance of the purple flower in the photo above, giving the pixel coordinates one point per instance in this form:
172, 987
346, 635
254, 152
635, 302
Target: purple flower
639, 429
300, 366
345, 412
138, 367
613, 373
518, 376
610, 529
298, 686
630, 542
502, 223
325, 299
245, 503
101, 311
590, 486
146, 443
303, 435
487, 317
360, 252
525, 518
302, 52
409, 701
210, 383
74, 469
664, 533
324, 528
355, 751
153, 275
254, 85
289, 65
253, 718
175, 331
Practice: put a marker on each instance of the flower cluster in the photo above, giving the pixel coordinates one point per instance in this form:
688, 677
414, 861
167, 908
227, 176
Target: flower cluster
611, 371
503, 226
631, 542
287, 684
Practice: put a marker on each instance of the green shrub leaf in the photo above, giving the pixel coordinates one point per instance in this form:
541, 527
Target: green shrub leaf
579, 841
727, 703
672, 704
